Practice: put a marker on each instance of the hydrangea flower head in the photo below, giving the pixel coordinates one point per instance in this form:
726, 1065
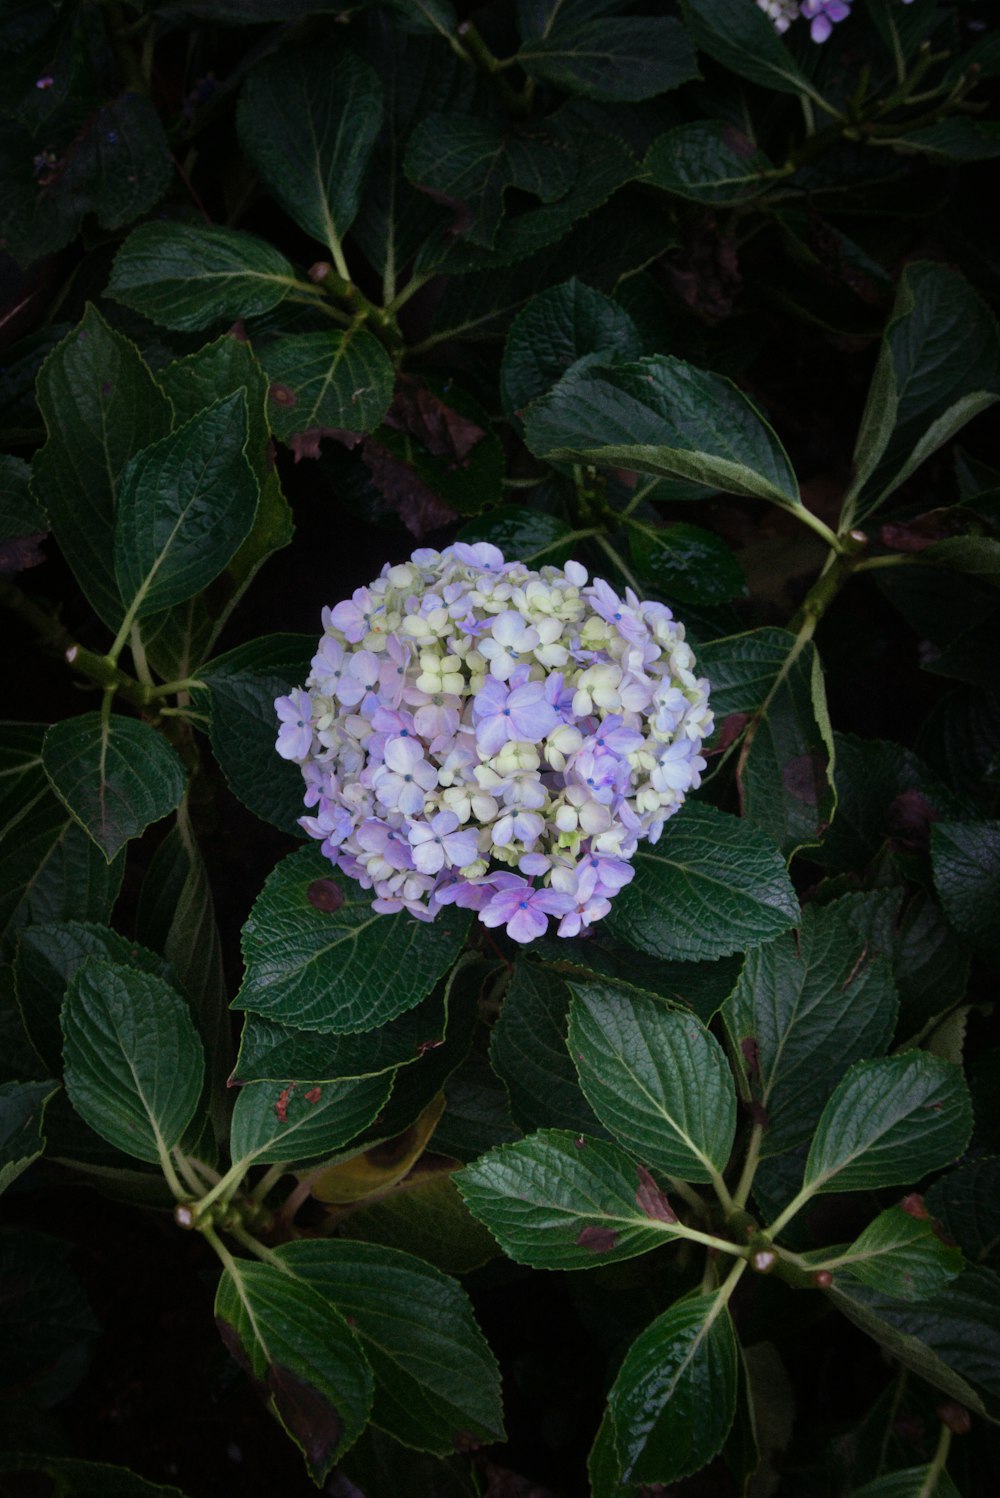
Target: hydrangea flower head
476, 733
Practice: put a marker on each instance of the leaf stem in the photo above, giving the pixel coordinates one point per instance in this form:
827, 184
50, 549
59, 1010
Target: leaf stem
722, 1192
687, 1194
259, 1250
750, 1164
186, 1169
938, 1462
268, 1180
167, 1166
794, 1206
613, 556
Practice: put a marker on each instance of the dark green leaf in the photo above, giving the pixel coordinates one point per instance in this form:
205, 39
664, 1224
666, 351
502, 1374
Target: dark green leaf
243, 685
910, 1482
564, 1201
436, 1380
428, 1217
48, 956
134, 1063
189, 276
47, 1329
303, 1121
117, 167
623, 58
22, 1114
269, 1051
79, 1479
469, 164
477, 1112
666, 418
557, 328
339, 970
805, 1007
712, 885
115, 775
307, 119
871, 776
177, 641
957, 139
786, 767
683, 563
951, 1340
744, 40
742, 669
700, 986
975, 556
889, 1123
898, 1254
674, 1399
709, 162
528, 1052
968, 1203
50, 869
966, 861
656, 1078
327, 382
301, 1355
101, 406
20, 512
185, 505
938, 367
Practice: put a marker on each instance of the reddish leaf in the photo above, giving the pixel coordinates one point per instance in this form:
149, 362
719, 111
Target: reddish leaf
419, 508
20, 553
651, 1200
307, 444
598, 1240
436, 425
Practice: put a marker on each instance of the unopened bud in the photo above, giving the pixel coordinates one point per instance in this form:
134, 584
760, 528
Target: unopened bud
184, 1216
319, 271
764, 1261
955, 1416
822, 1279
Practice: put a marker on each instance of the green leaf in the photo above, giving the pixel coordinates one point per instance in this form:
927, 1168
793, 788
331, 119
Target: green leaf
50, 869
303, 1121
699, 986
531, 536
666, 418
269, 1051
134, 1063
712, 885
965, 858
528, 1052
938, 367
177, 641
469, 164
742, 669
617, 58
301, 1355
950, 1340
744, 40
786, 769
435, 1377
968, 1203
327, 382
188, 276
930, 965
682, 563
20, 512
115, 775
48, 956
806, 1006
976, 556
477, 1112
117, 167
674, 1399
708, 162
564, 1201
339, 970
555, 329
307, 119
656, 1078
909, 1482
890, 1122
186, 504
957, 139
898, 1254
243, 684
22, 1115
79, 1479
101, 406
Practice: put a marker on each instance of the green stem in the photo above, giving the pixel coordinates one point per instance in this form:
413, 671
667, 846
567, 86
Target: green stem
742, 1192
259, 1250
612, 554
224, 1187
172, 688
808, 114
637, 499
185, 1166
722, 1192
268, 1181
413, 285
937, 1465
493, 68
794, 1206
170, 1174
687, 1194
897, 559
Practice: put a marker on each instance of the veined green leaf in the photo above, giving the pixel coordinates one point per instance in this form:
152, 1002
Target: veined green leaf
655, 1077
968, 1202
301, 1352
965, 858
188, 276
617, 58
337, 970
303, 1121
434, 1373
22, 1118
555, 329
889, 1123
666, 418
562, 1201
134, 1063
528, 1052
101, 407
338, 381
710, 163
744, 40
899, 1254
